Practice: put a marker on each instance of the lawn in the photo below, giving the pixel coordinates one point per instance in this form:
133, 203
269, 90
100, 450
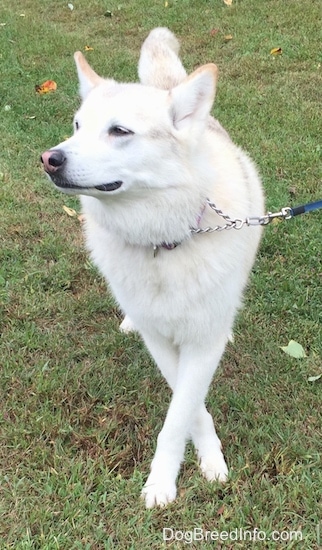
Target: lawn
81, 403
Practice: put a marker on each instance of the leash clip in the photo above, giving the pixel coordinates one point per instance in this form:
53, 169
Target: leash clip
285, 213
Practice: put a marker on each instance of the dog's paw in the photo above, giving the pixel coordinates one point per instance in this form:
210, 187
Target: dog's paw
214, 467
231, 337
158, 494
127, 326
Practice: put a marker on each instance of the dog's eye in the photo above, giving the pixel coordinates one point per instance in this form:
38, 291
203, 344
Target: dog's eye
119, 131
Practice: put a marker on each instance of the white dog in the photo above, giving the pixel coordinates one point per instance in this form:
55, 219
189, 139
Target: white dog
147, 159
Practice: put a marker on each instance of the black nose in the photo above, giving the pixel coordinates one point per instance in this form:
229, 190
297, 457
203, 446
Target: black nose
53, 160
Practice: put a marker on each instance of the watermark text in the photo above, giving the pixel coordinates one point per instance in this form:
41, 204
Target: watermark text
197, 534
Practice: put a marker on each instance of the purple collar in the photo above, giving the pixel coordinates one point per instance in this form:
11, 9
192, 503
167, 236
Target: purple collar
171, 246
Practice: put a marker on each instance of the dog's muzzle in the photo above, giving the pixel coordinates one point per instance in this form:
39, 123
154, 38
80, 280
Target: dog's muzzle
54, 162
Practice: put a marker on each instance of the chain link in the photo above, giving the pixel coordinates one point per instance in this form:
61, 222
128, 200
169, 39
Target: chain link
238, 223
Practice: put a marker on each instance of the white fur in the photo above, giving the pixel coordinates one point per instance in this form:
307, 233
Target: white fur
127, 325
183, 301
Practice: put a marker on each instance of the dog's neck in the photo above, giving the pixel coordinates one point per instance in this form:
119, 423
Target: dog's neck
135, 221
171, 246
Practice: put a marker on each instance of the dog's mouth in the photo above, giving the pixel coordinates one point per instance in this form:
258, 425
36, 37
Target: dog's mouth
53, 162
106, 187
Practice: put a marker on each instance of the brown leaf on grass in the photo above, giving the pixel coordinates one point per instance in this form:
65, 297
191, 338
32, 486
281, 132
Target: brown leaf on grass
45, 87
228, 2
228, 37
213, 32
276, 51
70, 211
220, 510
88, 49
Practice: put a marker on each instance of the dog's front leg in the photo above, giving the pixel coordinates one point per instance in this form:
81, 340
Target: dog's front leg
195, 370
208, 446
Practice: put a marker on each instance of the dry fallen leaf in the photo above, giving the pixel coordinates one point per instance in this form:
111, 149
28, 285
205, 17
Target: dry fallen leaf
213, 32
314, 378
276, 51
45, 87
70, 211
88, 49
228, 37
228, 2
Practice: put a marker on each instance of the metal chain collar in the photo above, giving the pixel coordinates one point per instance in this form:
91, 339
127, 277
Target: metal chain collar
238, 223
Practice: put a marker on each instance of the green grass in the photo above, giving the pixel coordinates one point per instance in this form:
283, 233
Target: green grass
81, 404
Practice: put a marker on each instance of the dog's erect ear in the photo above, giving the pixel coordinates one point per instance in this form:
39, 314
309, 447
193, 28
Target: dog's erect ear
86, 75
191, 101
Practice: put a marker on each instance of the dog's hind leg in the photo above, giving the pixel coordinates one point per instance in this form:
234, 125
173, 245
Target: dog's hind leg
190, 384
127, 325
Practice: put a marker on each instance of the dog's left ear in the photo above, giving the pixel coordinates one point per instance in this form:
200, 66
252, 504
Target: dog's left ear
192, 100
86, 75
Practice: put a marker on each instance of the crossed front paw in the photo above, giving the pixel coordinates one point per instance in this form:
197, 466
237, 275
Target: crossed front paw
158, 493
214, 467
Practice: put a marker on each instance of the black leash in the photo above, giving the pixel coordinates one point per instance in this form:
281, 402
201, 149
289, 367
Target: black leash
309, 207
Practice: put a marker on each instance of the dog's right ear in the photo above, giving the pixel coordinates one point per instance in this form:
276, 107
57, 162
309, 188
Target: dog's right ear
86, 75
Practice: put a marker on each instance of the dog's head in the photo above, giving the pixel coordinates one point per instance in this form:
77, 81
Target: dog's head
128, 137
